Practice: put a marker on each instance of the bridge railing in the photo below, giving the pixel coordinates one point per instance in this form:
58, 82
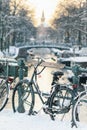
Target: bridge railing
42, 45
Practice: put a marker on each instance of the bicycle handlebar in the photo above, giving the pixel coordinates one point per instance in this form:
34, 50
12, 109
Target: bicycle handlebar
40, 61
40, 71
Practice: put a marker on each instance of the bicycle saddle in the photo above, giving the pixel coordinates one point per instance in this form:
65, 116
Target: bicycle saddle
57, 73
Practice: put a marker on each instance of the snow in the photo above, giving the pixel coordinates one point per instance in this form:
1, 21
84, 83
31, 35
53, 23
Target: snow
1, 54
41, 121
79, 59
16, 121
12, 53
83, 51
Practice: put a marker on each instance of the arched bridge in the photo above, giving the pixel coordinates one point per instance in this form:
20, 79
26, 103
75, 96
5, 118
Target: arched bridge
23, 49
61, 46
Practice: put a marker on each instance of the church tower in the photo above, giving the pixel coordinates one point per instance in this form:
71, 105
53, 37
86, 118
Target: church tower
42, 29
43, 18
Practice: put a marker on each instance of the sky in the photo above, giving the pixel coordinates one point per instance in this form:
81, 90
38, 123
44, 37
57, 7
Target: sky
48, 6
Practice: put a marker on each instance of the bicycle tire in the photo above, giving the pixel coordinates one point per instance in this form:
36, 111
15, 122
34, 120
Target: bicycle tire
61, 100
4, 93
27, 97
79, 111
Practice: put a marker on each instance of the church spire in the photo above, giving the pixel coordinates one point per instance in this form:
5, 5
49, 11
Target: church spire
43, 18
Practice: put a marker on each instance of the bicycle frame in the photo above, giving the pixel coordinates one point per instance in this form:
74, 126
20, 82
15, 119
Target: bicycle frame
34, 84
5, 83
5, 75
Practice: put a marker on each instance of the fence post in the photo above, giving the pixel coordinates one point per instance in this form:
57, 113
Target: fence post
21, 64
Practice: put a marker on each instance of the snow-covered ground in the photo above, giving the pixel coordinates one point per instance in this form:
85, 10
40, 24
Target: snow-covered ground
17, 121
41, 121
12, 53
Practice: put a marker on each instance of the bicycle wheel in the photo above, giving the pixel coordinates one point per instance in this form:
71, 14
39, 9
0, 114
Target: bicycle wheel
23, 97
4, 92
61, 101
79, 112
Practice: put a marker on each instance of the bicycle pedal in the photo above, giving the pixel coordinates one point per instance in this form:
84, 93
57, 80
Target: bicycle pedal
52, 117
34, 112
45, 110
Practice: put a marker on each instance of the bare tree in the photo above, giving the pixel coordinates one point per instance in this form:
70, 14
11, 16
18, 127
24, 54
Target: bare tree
69, 20
15, 23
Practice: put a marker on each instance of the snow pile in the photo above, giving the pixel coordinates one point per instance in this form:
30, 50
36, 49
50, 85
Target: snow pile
83, 51
1, 54
12, 52
11, 121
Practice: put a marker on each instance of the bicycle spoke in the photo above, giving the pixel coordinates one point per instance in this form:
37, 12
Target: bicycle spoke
80, 110
26, 97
